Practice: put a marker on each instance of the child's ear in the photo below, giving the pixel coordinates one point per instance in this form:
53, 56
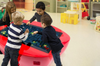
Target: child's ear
44, 24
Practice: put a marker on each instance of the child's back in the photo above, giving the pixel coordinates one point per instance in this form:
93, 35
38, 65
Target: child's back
52, 39
15, 37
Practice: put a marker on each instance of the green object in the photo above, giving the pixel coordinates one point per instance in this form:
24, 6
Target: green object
6, 34
96, 28
32, 32
64, 5
3, 32
2, 13
92, 22
32, 45
34, 42
44, 45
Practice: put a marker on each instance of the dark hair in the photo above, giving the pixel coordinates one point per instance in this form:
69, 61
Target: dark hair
46, 19
40, 5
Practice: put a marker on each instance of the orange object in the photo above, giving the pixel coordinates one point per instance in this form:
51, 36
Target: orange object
29, 4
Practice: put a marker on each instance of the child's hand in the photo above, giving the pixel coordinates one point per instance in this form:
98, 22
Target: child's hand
28, 23
27, 31
35, 32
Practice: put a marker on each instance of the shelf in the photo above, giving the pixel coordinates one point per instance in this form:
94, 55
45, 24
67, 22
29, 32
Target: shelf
87, 9
96, 10
86, 2
61, 1
61, 7
95, 2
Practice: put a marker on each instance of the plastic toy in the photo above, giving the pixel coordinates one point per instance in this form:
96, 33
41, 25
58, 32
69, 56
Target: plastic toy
3, 32
32, 32
76, 6
70, 17
34, 42
45, 46
92, 21
97, 25
98, 28
35, 55
81, 8
2, 11
63, 5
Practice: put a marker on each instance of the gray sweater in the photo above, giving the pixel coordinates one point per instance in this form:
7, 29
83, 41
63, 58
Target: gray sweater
37, 16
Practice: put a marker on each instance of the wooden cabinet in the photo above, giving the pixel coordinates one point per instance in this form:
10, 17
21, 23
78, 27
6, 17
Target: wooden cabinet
95, 9
19, 3
29, 4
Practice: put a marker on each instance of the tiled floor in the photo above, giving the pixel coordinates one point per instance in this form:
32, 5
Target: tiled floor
84, 46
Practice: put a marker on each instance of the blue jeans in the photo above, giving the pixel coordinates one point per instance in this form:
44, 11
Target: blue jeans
56, 56
10, 54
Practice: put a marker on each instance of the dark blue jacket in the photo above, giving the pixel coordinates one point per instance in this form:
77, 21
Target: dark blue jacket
49, 36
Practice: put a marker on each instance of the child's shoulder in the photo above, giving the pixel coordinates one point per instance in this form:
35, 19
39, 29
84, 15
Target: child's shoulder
46, 13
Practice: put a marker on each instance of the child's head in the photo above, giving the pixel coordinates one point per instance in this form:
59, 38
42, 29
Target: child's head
40, 8
46, 20
10, 8
17, 18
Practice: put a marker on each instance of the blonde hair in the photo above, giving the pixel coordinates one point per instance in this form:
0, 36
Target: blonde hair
9, 6
17, 16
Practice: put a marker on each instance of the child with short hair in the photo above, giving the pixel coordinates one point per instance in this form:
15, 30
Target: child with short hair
10, 8
40, 8
49, 36
15, 38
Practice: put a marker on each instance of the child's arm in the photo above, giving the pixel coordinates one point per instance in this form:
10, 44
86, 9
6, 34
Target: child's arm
2, 23
7, 22
32, 19
37, 32
24, 35
44, 36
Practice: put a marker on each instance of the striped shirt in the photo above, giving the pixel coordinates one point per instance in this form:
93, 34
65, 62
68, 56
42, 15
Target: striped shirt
15, 37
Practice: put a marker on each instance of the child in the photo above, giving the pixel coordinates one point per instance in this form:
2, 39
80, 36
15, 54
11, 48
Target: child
10, 8
49, 36
15, 38
40, 8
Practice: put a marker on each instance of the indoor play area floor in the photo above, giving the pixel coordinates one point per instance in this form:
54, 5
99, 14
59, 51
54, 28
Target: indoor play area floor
84, 45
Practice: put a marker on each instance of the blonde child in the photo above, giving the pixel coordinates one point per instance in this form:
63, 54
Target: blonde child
15, 38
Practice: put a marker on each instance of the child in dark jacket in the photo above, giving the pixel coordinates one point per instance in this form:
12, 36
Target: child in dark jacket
49, 36
10, 8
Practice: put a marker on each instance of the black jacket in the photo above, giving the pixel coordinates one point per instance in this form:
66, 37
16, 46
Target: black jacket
49, 36
7, 22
